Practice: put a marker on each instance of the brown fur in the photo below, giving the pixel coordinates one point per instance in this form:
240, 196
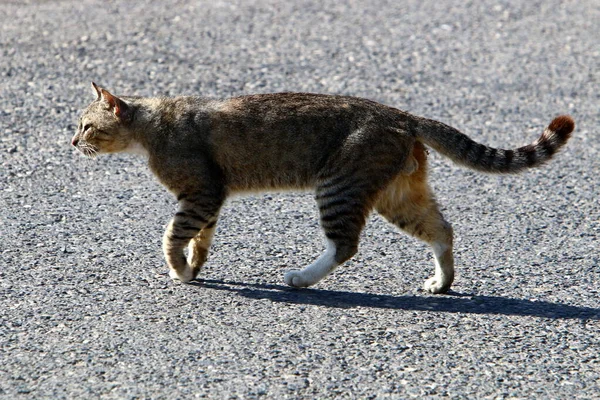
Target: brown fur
358, 155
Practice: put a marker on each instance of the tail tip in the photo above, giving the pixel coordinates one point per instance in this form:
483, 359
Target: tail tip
562, 126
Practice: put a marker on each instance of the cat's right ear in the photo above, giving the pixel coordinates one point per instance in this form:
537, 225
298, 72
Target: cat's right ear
97, 91
118, 106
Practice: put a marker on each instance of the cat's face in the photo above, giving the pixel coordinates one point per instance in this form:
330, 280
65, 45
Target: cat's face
103, 127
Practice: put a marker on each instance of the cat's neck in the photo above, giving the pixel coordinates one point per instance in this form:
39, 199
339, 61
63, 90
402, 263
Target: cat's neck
137, 148
152, 117
146, 111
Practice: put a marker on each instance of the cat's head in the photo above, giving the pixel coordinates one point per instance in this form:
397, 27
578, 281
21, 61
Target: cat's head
104, 125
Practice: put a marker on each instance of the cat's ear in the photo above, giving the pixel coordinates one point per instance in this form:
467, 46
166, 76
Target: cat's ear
96, 91
118, 106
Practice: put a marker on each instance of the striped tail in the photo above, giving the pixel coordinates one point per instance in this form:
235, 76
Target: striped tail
464, 151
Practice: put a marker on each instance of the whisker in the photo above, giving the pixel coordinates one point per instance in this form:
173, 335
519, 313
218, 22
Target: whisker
88, 150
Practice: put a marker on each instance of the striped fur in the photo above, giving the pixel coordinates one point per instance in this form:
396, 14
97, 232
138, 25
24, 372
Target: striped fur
463, 150
356, 154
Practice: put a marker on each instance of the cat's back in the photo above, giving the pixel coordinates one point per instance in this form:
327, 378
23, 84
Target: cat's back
296, 118
290, 106
284, 113
284, 139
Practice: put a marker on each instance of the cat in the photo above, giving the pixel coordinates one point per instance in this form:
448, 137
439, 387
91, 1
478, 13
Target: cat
356, 154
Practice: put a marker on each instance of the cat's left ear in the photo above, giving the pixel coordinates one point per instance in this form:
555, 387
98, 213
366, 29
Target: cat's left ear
96, 91
118, 106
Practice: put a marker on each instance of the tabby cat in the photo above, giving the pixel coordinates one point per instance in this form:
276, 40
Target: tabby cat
356, 154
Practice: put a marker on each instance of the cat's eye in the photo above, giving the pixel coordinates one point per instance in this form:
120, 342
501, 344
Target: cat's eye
86, 127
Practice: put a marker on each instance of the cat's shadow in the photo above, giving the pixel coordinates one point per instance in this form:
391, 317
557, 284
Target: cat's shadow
452, 303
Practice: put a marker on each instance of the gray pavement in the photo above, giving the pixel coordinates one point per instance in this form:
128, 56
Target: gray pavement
87, 310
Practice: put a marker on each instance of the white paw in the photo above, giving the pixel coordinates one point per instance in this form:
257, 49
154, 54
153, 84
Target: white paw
296, 279
435, 285
184, 277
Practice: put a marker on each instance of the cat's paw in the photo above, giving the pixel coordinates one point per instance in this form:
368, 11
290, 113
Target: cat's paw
185, 276
296, 279
436, 285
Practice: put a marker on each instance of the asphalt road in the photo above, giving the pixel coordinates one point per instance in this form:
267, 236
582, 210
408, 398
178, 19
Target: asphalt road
87, 310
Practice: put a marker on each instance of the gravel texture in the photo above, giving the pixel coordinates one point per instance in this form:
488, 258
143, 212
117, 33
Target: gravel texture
87, 310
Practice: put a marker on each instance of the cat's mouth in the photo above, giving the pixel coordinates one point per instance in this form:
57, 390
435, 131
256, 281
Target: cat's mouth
87, 149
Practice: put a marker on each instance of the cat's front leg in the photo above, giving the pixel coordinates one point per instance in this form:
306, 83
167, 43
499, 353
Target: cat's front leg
193, 224
175, 239
199, 246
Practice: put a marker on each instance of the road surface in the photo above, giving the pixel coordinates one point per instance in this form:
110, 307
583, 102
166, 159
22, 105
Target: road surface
87, 309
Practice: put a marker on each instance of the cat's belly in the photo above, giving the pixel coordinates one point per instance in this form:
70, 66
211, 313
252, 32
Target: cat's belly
269, 178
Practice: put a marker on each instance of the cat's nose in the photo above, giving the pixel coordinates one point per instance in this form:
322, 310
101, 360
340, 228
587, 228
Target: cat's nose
75, 141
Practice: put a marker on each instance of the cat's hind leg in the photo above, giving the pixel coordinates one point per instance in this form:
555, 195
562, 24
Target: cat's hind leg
316, 271
347, 188
343, 208
196, 213
409, 204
